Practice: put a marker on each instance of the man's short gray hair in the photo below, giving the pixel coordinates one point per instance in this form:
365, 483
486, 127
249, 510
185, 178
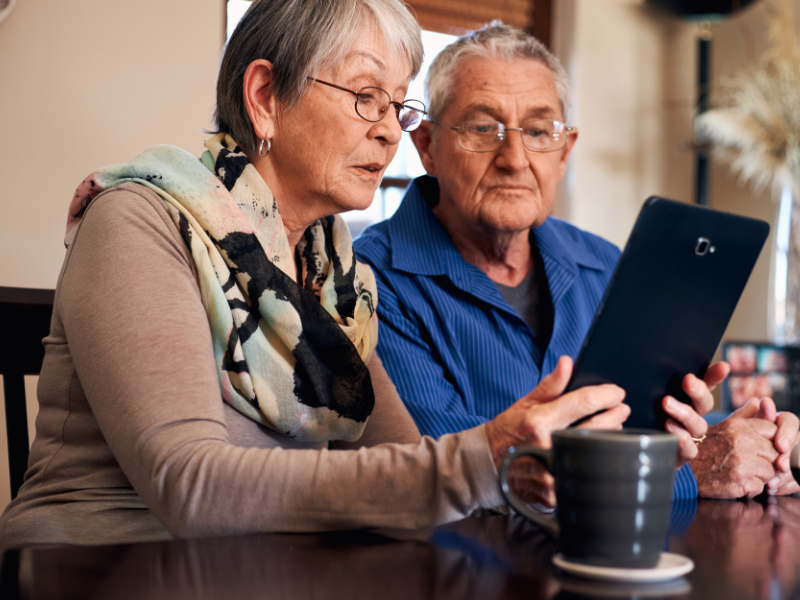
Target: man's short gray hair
301, 38
495, 41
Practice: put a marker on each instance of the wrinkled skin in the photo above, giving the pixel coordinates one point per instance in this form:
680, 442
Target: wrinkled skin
747, 452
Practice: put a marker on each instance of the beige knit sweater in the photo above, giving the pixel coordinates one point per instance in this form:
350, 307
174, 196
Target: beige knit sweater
133, 441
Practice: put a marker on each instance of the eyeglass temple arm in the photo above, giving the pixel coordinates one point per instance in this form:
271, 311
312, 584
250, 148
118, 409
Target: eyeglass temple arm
435, 122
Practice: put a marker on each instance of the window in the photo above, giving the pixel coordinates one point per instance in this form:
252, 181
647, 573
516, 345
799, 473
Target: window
406, 164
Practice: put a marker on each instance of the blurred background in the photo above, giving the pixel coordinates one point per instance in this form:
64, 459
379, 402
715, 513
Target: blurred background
85, 84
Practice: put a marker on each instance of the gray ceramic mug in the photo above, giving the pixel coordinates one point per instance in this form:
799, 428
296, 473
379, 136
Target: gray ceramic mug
614, 494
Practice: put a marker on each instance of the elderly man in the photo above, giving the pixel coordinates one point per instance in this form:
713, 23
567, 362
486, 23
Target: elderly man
481, 292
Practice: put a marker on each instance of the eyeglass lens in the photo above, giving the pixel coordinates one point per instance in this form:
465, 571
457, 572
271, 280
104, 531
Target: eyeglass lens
540, 135
410, 115
372, 104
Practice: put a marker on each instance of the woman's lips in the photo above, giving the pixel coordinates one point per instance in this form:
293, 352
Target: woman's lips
371, 171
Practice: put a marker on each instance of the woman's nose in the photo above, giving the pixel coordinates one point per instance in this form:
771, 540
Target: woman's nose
388, 128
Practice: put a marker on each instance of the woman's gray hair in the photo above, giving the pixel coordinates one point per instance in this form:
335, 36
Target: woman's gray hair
495, 41
300, 38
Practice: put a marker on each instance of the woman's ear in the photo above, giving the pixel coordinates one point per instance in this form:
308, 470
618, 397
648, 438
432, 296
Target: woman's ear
259, 99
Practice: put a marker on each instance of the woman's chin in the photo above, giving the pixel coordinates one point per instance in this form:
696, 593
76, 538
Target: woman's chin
356, 198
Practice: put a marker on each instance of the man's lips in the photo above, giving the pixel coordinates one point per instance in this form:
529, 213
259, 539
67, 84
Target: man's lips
510, 188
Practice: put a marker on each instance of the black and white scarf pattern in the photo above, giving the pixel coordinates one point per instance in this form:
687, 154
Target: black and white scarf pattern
291, 356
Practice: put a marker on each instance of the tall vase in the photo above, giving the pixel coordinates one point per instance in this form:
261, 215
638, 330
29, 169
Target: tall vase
786, 318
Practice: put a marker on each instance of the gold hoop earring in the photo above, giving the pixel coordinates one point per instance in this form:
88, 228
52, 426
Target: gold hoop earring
261, 152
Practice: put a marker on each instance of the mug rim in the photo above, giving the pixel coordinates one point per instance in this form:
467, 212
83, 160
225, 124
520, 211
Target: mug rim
632, 436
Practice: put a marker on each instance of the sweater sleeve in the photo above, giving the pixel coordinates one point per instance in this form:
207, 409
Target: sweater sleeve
141, 346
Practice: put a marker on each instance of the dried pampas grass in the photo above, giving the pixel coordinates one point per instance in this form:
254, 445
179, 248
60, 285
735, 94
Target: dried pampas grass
756, 130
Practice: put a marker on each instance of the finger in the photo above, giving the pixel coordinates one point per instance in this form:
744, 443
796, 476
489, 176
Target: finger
700, 394
760, 474
612, 418
786, 436
768, 412
687, 449
749, 410
788, 488
783, 463
583, 402
765, 451
686, 416
552, 386
752, 476
764, 429
716, 373
780, 480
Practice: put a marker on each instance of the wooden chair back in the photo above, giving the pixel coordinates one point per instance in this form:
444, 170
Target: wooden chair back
24, 320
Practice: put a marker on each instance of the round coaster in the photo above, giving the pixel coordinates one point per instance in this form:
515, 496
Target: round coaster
669, 566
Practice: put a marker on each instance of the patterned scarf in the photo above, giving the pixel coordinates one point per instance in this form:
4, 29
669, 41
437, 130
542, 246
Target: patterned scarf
290, 357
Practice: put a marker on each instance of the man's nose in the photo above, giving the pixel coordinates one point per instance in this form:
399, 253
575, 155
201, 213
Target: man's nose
512, 154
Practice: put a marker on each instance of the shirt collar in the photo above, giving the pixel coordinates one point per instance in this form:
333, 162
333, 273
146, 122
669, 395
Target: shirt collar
565, 244
422, 246
420, 243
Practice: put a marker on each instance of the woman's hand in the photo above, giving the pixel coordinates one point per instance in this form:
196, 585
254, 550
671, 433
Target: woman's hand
686, 421
531, 420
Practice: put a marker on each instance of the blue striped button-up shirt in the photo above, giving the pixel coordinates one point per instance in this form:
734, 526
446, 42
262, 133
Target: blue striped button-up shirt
455, 349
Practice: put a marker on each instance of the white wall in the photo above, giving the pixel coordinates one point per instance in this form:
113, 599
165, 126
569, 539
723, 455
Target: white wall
85, 84
634, 72
730, 54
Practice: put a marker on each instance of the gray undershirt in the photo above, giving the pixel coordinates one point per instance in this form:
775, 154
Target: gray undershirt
531, 301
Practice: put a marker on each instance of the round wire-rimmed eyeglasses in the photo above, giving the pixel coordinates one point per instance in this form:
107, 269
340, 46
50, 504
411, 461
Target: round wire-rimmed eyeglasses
538, 135
372, 104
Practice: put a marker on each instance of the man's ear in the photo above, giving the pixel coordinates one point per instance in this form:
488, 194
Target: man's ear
259, 100
571, 139
423, 140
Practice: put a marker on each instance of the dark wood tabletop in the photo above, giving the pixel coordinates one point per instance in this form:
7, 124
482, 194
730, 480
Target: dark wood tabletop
741, 549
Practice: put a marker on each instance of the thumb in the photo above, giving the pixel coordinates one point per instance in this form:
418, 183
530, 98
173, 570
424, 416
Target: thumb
553, 386
749, 410
768, 412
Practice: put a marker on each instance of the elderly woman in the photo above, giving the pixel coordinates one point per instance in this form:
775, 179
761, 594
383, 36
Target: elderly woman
210, 366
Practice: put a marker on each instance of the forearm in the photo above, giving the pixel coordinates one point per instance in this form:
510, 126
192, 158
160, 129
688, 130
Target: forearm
207, 487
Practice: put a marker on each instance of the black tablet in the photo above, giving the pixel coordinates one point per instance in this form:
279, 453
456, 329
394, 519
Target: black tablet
668, 303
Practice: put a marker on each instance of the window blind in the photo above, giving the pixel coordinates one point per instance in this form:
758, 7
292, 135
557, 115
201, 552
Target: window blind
459, 16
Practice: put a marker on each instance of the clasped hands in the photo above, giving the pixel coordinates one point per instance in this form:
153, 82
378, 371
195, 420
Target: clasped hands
739, 457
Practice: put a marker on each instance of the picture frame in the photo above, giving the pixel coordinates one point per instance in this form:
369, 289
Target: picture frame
761, 369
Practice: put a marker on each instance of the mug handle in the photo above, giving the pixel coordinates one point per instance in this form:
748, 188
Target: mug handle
545, 457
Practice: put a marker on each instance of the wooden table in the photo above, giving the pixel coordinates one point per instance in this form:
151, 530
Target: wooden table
742, 550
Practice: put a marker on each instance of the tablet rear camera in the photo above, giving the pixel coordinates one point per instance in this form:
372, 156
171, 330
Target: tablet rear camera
702, 246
